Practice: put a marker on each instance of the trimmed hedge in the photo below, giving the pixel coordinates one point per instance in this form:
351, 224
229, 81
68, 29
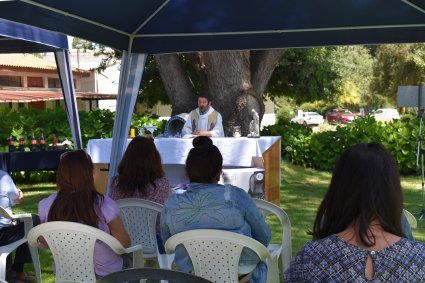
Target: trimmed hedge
300, 145
94, 124
321, 150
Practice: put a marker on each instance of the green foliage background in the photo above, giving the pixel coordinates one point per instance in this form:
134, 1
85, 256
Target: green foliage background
321, 150
94, 125
299, 144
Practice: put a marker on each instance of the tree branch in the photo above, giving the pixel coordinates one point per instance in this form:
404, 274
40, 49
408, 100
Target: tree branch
176, 82
263, 63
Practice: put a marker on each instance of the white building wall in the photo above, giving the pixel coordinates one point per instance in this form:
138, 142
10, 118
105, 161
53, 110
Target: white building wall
83, 105
50, 104
107, 81
87, 84
24, 75
104, 82
108, 104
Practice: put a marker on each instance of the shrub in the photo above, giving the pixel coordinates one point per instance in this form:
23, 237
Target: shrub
293, 136
94, 124
321, 150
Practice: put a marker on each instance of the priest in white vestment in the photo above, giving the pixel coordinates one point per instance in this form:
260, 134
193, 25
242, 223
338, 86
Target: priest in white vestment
204, 120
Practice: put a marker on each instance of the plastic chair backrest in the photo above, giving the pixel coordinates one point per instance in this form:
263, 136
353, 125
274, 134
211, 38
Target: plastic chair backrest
137, 274
215, 253
411, 219
72, 246
139, 217
267, 208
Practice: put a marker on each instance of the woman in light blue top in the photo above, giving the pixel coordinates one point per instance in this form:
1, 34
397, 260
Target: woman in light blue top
208, 205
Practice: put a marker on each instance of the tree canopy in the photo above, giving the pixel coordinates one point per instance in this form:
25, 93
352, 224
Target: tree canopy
341, 76
397, 65
337, 74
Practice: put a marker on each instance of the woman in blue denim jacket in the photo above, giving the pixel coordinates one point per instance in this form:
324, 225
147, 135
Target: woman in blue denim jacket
208, 205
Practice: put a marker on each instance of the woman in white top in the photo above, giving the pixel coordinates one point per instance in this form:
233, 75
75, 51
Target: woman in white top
9, 233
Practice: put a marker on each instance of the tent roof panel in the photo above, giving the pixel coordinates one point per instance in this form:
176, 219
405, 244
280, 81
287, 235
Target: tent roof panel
18, 38
165, 26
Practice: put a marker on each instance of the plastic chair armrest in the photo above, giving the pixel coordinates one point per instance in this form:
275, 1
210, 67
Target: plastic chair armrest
25, 217
137, 250
7, 215
133, 249
28, 224
273, 269
21, 216
275, 253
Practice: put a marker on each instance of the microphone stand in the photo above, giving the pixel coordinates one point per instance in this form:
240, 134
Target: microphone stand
420, 153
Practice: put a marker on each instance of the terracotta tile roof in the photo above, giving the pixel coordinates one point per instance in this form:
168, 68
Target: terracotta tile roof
32, 96
19, 60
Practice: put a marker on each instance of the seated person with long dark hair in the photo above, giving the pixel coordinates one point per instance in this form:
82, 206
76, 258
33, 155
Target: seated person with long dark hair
357, 234
225, 207
141, 175
78, 201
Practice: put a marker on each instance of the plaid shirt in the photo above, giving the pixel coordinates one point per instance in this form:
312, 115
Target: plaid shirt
334, 260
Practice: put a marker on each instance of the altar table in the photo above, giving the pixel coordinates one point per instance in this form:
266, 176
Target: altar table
237, 152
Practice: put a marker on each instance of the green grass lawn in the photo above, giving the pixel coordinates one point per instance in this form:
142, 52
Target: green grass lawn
301, 192
303, 189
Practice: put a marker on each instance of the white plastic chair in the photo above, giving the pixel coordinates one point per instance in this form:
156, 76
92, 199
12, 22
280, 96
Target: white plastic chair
72, 246
284, 249
411, 219
7, 249
139, 217
215, 254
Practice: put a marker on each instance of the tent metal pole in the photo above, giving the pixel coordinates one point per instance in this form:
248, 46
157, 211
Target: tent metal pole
68, 90
132, 67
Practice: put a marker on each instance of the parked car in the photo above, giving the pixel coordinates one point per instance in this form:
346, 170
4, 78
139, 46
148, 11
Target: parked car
385, 114
340, 116
309, 119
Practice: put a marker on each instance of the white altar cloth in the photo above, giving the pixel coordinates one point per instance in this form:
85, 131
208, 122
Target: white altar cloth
236, 151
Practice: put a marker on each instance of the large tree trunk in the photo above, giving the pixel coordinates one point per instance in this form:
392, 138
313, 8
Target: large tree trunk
229, 82
177, 83
263, 63
236, 81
